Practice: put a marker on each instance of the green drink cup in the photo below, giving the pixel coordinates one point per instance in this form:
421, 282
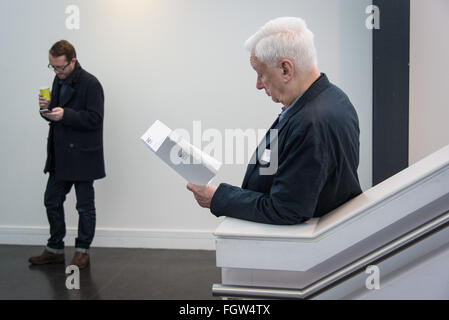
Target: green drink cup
45, 92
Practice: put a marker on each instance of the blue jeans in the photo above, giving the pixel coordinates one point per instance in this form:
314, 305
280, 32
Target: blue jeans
55, 195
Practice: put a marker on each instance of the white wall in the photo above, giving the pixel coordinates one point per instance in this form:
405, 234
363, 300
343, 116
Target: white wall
173, 60
429, 78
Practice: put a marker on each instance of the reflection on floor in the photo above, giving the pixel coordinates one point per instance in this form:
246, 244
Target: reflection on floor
113, 274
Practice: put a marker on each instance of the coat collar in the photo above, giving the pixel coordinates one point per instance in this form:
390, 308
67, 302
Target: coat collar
71, 81
73, 77
314, 90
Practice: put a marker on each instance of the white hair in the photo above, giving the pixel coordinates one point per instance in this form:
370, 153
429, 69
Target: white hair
285, 37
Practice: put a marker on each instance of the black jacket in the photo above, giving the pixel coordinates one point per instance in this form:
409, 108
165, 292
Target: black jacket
318, 156
75, 144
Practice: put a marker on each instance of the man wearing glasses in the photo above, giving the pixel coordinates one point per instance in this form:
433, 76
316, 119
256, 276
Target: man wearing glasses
74, 152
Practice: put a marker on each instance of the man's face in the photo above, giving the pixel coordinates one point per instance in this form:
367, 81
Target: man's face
268, 78
61, 66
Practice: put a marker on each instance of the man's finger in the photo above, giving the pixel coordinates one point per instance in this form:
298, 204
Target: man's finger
193, 187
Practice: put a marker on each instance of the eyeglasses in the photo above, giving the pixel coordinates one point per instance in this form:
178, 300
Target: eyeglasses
57, 68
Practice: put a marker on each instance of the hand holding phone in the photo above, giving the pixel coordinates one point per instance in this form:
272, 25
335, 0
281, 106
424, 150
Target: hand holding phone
44, 104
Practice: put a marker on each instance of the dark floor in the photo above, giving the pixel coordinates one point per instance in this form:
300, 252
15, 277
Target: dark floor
112, 274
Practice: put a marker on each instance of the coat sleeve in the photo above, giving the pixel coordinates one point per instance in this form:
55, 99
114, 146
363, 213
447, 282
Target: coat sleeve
302, 173
90, 118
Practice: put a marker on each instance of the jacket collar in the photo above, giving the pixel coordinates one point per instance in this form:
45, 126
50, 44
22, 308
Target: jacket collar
70, 81
73, 77
314, 90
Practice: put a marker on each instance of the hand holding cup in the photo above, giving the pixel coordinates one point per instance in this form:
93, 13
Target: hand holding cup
44, 98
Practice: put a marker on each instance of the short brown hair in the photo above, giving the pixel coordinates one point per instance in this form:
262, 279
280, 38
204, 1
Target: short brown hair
63, 48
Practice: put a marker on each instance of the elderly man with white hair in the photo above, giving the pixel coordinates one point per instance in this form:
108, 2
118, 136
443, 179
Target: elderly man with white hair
317, 137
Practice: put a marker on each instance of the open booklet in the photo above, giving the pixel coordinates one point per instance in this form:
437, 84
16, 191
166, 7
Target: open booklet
190, 162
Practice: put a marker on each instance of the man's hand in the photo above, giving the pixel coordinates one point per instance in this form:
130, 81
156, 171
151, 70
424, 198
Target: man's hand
203, 194
43, 103
56, 114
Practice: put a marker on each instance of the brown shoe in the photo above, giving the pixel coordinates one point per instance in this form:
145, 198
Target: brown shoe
81, 260
47, 257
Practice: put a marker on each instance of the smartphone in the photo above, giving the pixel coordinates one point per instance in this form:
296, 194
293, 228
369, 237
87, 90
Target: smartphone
42, 111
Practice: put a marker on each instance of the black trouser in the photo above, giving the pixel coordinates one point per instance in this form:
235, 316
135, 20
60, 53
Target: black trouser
55, 195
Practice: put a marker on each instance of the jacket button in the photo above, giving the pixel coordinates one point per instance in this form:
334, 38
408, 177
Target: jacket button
71, 145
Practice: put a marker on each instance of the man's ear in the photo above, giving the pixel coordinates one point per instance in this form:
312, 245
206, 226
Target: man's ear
288, 69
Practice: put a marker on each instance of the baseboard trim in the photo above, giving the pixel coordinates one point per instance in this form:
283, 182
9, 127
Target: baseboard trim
116, 238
